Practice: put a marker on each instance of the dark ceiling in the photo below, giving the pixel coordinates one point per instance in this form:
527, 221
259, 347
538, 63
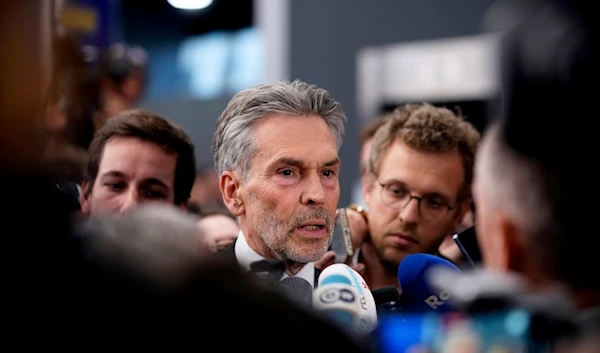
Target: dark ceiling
156, 18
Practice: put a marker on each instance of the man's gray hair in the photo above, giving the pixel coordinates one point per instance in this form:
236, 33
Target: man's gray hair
234, 139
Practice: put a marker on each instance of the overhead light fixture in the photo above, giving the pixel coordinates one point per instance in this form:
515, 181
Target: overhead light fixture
190, 4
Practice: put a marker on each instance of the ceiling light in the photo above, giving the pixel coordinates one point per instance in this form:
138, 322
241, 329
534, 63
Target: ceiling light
190, 4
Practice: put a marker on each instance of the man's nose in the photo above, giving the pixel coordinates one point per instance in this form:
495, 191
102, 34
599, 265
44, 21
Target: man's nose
130, 201
410, 212
315, 191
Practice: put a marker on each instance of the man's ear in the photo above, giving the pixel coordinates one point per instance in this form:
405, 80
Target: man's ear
515, 251
506, 245
84, 197
230, 186
463, 208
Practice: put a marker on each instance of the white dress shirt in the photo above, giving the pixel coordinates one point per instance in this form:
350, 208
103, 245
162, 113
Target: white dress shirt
245, 256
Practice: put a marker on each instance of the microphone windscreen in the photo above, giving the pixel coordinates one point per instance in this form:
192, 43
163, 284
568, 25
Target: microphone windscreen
417, 288
385, 295
298, 289
340, 303
344, 275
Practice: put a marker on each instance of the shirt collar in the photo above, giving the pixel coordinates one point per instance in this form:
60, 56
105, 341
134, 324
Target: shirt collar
245, 256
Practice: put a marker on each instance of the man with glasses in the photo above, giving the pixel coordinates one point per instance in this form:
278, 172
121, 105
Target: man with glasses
417, 188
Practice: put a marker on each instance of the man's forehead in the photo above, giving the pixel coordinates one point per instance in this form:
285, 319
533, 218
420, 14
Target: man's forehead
300, 138
435, 171
133, 158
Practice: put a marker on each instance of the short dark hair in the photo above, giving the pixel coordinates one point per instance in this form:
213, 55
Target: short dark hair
148, 126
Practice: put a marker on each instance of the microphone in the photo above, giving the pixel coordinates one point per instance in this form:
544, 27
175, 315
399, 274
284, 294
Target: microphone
487, 290
550, 313
340, 303
298, 289
387, 300
344, 296
418, 291
385, 295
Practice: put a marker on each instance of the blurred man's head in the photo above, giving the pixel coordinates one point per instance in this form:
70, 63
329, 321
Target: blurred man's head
138, 157
123, 71
534, 192
418, 185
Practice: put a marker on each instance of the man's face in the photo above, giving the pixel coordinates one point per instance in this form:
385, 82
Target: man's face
131, 171
400, 231
292, 190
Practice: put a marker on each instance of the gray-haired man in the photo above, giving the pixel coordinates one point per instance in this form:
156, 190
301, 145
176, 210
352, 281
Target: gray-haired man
276, 151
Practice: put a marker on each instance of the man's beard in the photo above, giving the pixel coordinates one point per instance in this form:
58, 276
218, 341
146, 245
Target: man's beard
277, 234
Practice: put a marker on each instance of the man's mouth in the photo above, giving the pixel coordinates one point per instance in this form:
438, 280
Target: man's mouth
312, 226
404, 239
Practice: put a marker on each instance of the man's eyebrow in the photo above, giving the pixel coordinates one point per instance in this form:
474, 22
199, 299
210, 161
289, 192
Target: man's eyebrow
297, 163
290, 161
429, 193
149, 181
332, 163
155, 181
113, 173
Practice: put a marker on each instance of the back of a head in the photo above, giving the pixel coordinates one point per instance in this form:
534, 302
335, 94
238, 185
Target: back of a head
547, 72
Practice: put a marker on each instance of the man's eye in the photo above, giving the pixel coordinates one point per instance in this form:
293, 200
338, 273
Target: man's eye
153, 194
115, 186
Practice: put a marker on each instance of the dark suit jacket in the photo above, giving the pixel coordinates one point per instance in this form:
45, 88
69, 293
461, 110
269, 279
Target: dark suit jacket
228, 254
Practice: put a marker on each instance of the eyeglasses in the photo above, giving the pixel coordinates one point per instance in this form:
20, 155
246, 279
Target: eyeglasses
431, 207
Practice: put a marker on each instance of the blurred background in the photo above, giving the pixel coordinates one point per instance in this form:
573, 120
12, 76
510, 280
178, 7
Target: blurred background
186, 59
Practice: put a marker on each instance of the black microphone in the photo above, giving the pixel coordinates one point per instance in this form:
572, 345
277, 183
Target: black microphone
298, 289
388, 300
